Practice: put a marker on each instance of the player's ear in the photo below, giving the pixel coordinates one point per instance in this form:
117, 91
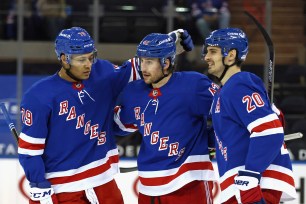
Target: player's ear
232, 53
64, 59
166, 64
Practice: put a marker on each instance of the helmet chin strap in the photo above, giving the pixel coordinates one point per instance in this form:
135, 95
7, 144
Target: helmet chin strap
226, 67
67, 70
71, 75
161, 78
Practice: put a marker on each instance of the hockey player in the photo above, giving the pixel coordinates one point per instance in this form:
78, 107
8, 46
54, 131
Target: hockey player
253, 162
67, 146
169, 109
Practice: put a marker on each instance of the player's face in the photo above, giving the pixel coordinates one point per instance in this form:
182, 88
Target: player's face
151, 70
214, 61
81, 65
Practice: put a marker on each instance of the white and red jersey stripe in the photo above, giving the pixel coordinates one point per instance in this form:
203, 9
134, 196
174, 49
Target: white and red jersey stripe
195, 167
275, 177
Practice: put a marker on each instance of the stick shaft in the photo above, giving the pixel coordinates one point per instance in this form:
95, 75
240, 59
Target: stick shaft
293, 136
270, 46
9, 121
128, 169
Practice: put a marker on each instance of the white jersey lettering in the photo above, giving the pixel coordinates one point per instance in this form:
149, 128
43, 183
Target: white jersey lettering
72, 113
163, 143
154, 137
63, 108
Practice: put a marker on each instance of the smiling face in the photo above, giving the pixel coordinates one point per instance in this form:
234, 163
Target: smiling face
80, 66
213, 58
221, 66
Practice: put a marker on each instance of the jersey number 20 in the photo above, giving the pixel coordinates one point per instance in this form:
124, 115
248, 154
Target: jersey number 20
253, 101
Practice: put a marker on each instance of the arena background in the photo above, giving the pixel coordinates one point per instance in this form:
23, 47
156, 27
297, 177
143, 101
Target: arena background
117, 26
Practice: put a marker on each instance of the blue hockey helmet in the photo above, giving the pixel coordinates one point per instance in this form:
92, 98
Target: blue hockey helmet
75, 40
157, 45
228, 39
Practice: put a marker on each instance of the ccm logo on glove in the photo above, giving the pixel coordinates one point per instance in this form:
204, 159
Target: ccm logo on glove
41, 194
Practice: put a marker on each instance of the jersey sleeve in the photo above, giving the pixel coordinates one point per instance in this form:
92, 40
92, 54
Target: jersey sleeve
205, 90
127, 72
124, 115
32, 139
250, 103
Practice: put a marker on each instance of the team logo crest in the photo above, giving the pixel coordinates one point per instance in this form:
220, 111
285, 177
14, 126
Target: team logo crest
82, 33
146, 42
115, 66
78, 86
155, 93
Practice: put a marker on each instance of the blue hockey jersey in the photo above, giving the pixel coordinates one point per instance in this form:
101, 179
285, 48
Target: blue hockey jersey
249, 136
172, 121
67, 134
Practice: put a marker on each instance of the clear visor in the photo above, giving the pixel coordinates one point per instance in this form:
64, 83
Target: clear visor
161, 60
81, 59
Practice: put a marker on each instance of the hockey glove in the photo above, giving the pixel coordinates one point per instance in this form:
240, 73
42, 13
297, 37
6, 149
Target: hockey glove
42, 193
248, 190
280, 115
182, 40
212, 153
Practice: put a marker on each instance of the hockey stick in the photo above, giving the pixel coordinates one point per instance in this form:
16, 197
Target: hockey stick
9, 121
293, 136
15, 135
128, 169
270, 45
271, 68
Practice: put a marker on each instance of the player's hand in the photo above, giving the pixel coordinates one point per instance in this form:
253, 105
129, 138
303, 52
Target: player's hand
247, 187
182, 40
280, 115
42, 193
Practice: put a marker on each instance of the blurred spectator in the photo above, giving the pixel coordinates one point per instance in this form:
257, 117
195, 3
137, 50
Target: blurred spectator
53, 14
11, 21
209, 15
29, 20
34, 27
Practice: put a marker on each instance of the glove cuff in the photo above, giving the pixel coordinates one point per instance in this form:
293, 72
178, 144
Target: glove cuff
44, 184
41, 192
176, 34
250, 173
246, 180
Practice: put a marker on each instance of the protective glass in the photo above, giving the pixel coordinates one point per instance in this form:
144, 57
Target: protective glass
83, 60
